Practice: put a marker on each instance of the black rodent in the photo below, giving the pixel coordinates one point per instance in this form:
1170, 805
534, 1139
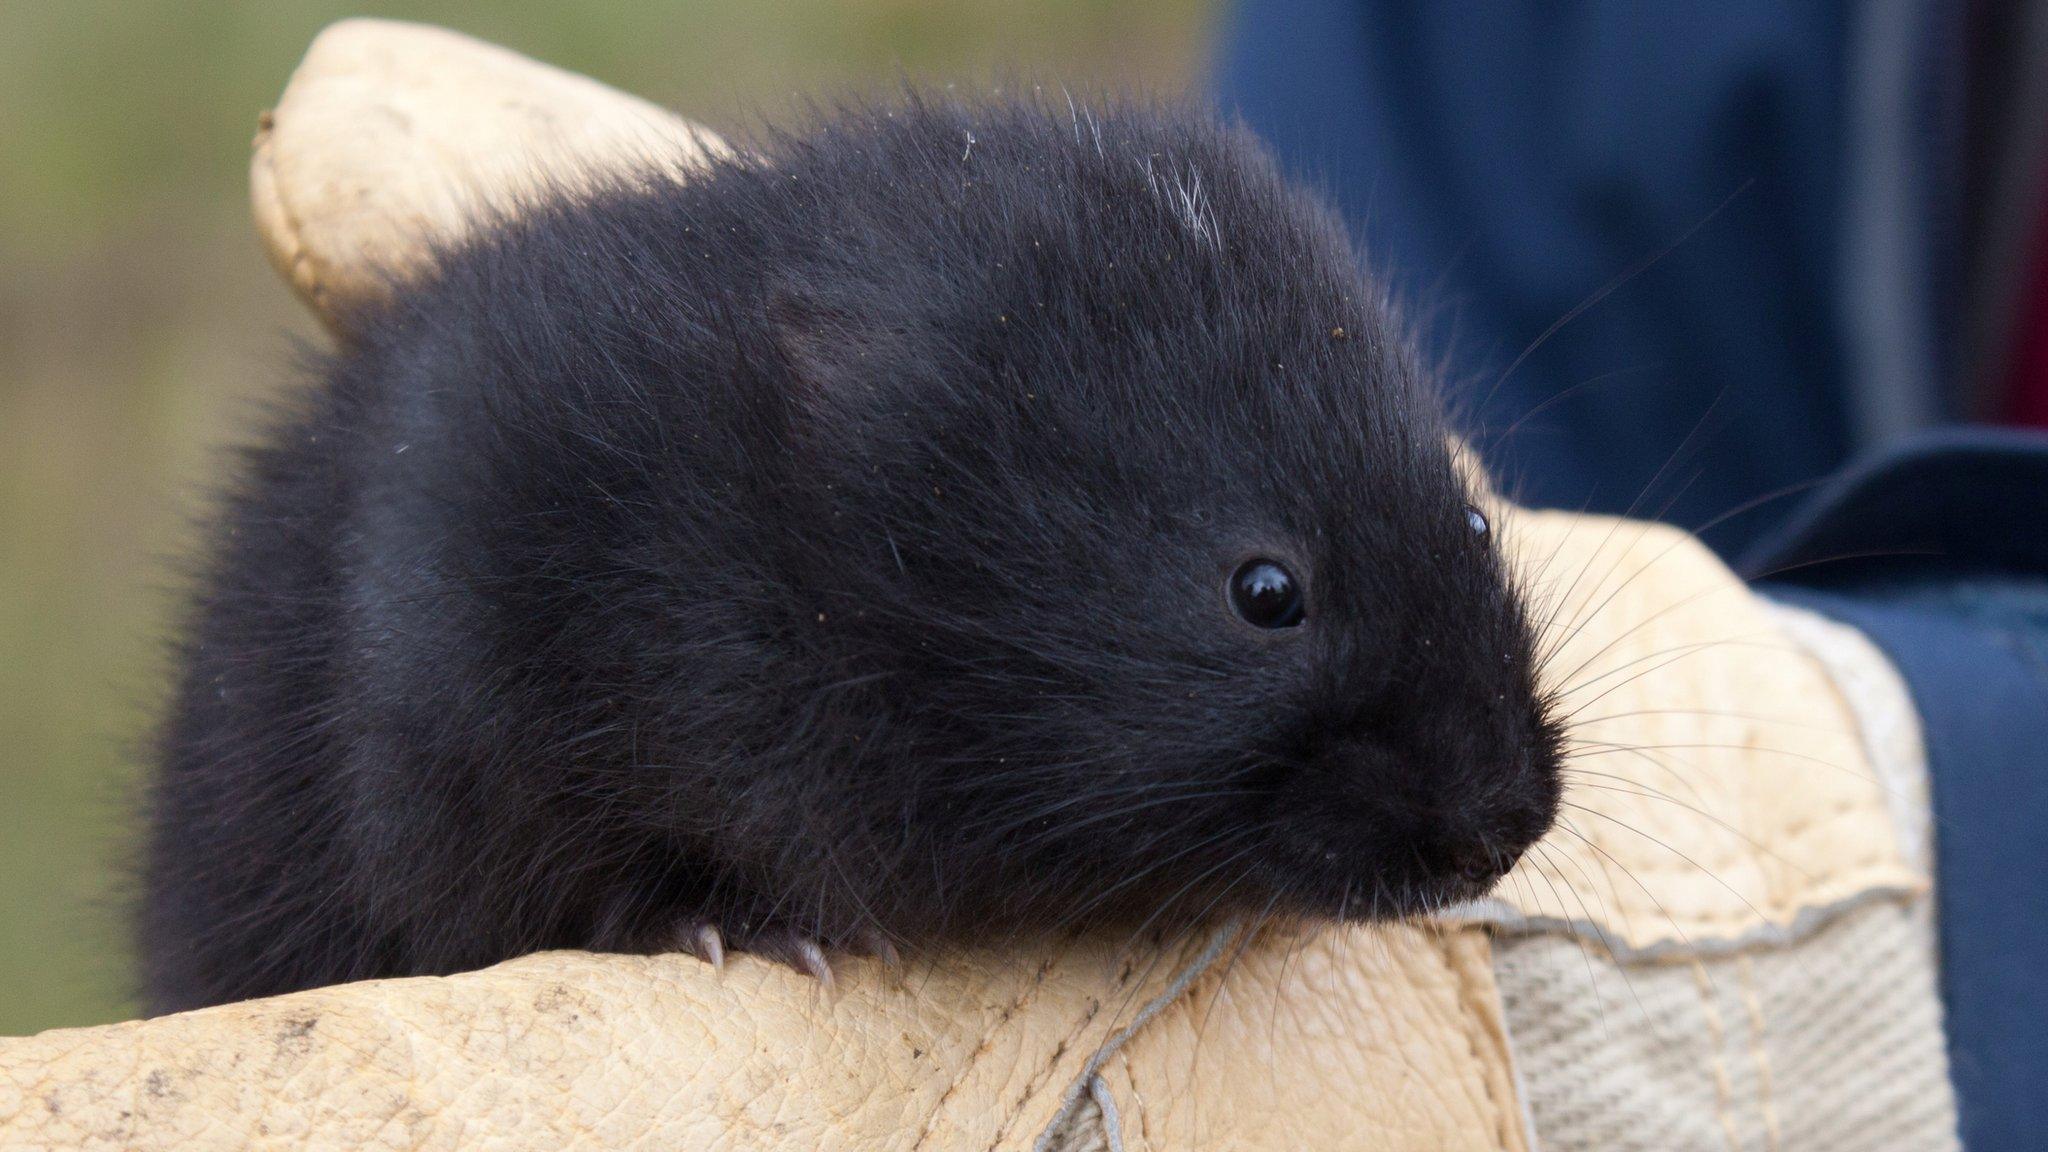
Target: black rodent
859, 543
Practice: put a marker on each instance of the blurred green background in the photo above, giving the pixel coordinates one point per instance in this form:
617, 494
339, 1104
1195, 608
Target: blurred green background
139, 324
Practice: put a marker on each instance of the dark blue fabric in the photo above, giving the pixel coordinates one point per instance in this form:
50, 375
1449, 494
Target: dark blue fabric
1503, 161
1938, 550
1944, 503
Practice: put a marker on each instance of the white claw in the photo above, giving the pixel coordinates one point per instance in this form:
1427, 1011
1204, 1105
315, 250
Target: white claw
710, 947
879, 946
811, 958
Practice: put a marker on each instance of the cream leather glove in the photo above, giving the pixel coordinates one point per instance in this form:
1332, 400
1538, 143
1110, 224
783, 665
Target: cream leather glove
1339, 1038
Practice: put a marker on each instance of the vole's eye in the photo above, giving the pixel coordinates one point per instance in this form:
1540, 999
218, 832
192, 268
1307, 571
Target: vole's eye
1476, 519
1266, 594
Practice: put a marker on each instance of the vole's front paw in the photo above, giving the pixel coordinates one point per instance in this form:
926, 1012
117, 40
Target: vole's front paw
800, 950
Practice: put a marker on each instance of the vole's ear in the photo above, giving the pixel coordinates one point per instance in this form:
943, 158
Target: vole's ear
392, 135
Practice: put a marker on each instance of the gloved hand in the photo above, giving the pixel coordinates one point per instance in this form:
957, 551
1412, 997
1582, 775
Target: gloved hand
1748, 815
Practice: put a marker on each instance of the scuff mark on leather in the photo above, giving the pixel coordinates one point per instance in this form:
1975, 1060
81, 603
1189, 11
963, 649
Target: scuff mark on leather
1085, 1084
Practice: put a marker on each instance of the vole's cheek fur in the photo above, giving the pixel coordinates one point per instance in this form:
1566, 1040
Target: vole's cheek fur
828, 553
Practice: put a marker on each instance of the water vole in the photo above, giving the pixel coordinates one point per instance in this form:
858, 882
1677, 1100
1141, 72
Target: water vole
959, 517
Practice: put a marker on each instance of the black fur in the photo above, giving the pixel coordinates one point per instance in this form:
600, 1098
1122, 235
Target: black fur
838, 541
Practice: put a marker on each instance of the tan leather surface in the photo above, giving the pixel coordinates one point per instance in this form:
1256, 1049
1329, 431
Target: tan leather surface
565, 1049
1720, 789
1353, 1038
391, 132
1389, 1038
1390, 1043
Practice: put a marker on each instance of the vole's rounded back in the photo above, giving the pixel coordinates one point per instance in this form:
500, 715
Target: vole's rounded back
961, 517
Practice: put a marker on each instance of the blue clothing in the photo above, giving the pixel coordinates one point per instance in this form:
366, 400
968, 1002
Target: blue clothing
1937, 508
1503, 163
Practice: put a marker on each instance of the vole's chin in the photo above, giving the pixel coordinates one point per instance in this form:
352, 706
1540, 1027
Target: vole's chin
1364, 901
1306, 878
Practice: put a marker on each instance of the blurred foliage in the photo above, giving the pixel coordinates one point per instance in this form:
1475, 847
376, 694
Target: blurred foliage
139, 325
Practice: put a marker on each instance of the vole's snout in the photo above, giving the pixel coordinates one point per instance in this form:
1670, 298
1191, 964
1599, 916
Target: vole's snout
1472, 859
1482, 864
1418, 823
1500, 832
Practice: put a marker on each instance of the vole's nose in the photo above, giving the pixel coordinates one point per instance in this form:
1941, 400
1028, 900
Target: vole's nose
1483, 864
